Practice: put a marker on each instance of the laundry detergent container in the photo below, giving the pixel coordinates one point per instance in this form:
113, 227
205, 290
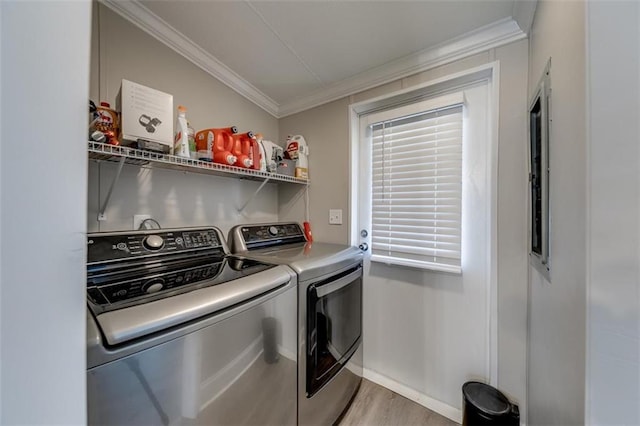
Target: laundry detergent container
485, 405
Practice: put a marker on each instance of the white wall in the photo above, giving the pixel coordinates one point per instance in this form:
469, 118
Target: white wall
176, 199
613, 321
121, 50
512, 232
1, 101
416, 299
556, 359
43, 166
437, 323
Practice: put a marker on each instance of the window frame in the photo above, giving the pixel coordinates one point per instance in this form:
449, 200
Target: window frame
360, 105
540, 260
431, 104
418, 88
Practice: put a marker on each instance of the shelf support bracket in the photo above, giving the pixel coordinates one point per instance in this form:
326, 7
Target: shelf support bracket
101, 215
254, 195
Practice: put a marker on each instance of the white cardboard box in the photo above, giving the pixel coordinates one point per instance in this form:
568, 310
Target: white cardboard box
146, 114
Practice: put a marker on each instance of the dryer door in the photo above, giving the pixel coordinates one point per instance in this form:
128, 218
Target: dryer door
334, 326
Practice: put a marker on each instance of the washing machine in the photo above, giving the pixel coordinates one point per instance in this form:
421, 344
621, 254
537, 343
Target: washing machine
180, 332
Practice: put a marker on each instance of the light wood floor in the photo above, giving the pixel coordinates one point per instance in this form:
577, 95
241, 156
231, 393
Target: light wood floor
375, 405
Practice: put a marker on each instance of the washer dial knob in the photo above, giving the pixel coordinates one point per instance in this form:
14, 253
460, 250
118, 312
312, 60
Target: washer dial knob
153, 242
273, 231
154, 285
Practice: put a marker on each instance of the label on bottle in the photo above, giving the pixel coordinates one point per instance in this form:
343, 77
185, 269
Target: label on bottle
107, 120
192, 139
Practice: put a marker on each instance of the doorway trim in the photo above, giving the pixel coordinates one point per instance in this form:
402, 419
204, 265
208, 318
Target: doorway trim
490, 72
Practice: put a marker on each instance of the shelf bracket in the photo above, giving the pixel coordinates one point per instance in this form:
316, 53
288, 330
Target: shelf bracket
254, 195
101, 215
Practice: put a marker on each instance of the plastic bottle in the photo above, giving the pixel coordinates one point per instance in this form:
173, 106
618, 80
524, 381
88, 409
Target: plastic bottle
273, 154
298, 150
307, 232
242, 149
255, 153
262, 152
181, 139
107, 119
106, 123
216, 144
192, 140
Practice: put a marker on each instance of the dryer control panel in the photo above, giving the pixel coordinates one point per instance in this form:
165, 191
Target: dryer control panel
266, 235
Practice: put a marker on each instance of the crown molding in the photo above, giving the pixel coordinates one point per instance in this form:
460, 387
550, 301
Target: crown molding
497, 34
488, 37
158, 28
523, 13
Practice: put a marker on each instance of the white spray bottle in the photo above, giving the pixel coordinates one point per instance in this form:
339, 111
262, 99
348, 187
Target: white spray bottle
181, 139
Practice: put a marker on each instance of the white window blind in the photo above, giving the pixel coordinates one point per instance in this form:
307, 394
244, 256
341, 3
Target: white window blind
416, 192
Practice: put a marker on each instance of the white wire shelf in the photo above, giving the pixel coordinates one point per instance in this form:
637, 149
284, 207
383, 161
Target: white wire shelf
148, 159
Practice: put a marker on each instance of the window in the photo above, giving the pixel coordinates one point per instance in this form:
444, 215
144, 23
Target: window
539, 175
416, 189
535, 122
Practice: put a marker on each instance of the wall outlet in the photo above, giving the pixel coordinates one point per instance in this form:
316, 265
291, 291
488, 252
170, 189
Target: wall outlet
138, 218
335, 216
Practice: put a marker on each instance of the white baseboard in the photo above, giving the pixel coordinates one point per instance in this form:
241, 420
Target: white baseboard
290, 355
432, 404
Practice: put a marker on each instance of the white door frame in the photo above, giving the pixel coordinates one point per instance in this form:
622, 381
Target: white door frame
490, 72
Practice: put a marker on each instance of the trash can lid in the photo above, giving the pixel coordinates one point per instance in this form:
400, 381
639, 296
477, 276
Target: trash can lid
486, 398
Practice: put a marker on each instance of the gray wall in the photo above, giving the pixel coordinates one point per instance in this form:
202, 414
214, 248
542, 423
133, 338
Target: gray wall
613, 165
326, 129
125, 51
43, 167
556, 362
121, 50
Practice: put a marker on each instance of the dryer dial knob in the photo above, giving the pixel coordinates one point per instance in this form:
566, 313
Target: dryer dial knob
153, 242
273, 231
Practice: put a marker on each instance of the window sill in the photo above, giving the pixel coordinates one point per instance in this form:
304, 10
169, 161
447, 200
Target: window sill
393, 261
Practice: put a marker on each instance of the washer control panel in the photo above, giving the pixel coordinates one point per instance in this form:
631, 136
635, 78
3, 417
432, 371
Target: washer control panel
109, 247
109, 290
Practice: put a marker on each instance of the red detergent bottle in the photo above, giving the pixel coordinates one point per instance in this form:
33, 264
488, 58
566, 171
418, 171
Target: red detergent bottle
242, 149
218, 143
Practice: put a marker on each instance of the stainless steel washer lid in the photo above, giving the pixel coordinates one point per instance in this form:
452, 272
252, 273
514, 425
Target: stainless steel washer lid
126, 324
310, 261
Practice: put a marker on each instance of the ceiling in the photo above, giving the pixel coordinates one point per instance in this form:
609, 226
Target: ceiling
287, 56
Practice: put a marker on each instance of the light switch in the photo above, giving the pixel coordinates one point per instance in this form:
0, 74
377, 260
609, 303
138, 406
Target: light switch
335, 216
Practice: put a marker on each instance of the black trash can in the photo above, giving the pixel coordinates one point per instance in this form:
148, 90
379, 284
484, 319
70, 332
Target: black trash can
485, 405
